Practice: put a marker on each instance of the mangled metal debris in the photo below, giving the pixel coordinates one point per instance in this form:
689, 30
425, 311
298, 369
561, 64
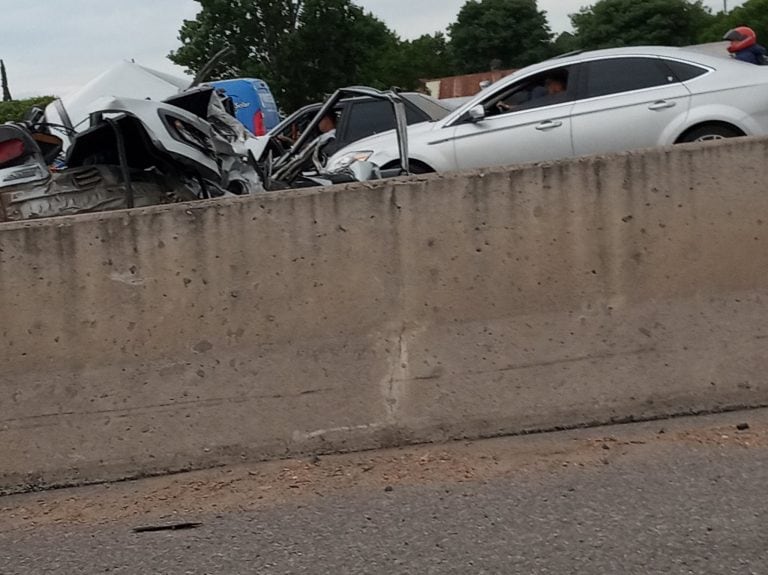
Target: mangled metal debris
86, 190
141, 152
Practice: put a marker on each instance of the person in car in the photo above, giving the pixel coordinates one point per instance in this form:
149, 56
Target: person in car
556, 87
553, 91
328, 124
744, 45
327, 127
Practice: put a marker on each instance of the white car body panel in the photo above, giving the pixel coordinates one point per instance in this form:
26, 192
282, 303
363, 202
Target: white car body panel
727, 91
517, 137
600, 125
124, 80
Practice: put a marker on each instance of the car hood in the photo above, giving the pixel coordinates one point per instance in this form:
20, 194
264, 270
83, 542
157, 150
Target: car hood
385, 142
256, 145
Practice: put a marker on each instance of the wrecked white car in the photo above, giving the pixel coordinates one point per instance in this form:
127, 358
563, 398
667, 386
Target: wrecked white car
135, 153
303, 163
140, 152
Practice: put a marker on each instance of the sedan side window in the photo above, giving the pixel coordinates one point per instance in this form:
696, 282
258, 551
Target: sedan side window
543, 89
685, 72
368, 117
617, 75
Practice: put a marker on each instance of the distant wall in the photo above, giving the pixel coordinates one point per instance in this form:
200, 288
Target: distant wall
463, 86
463, 305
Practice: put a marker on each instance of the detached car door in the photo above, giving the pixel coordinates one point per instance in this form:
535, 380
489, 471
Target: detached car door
626, 103
523, 123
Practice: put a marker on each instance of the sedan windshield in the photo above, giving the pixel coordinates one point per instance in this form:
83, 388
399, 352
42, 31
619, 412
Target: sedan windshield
433, 108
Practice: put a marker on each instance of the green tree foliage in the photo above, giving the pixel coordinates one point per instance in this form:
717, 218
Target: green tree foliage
335, 44
424, 58
611, 23
15, 110
303, 49
254, 30
564, 43
753, 13
515, 32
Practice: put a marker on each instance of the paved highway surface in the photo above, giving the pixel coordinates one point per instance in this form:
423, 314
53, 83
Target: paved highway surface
680, 497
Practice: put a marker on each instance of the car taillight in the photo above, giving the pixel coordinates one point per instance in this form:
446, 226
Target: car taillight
11, 150
259, 129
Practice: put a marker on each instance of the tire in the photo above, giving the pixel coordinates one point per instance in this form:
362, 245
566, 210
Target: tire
419, 168
710, 132
416, 167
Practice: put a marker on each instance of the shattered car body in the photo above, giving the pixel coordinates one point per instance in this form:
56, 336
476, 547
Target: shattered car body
358, 118
135, 153
139, 152
81, 191
189, 137
302, 165
126, 79
21, 159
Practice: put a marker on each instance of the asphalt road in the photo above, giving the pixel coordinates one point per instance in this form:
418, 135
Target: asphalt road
688, 498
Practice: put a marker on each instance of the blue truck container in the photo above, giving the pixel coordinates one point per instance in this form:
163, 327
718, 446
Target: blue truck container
254, 104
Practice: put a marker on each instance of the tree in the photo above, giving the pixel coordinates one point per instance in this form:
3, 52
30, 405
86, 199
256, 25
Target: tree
753, 13
611, 23
335, 44
426, 57
15, 110
254, 29
513, 31
304, 49
564, 43
4, 79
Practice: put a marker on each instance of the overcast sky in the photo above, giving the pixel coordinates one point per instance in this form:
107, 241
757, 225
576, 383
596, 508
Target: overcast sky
52, 47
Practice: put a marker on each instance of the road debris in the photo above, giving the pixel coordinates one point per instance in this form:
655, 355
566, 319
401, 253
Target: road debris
171, 527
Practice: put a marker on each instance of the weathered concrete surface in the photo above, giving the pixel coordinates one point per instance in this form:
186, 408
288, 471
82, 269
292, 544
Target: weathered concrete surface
189, 336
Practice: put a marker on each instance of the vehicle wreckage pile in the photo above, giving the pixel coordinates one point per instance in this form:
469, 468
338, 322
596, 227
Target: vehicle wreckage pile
95, 153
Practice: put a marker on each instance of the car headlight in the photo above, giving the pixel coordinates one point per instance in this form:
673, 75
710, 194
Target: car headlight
186, 133
191, 135
348, 159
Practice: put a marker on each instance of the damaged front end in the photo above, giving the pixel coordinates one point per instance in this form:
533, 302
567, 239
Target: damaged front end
136, 153
304, 164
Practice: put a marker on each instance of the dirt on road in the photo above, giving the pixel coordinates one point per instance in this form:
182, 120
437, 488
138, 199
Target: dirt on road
250, 486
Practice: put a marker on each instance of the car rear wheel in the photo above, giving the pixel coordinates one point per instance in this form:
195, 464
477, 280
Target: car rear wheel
710, 132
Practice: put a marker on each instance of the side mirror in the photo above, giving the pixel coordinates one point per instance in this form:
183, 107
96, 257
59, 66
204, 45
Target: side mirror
477, 114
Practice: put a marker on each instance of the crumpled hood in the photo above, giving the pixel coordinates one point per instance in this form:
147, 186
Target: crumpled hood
386, 141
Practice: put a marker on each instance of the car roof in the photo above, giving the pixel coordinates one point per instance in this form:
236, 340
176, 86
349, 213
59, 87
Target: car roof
692, 53
360, 97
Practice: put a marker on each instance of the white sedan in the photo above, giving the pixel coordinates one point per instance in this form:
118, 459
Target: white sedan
586, 103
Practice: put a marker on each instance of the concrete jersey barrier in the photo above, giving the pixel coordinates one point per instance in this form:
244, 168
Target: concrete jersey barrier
456, 306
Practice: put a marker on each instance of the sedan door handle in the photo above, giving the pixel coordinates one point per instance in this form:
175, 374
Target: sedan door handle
548, 125
662, 105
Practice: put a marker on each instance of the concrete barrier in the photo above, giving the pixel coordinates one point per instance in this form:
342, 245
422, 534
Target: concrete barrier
467, 305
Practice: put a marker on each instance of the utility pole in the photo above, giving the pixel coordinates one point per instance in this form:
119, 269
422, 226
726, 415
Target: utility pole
4, 78
725, 6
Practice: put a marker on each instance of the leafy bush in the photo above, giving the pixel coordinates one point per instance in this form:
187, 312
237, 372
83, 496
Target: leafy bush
14, 111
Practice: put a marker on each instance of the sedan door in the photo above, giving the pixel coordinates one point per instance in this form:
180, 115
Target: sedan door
522, 124
626, 103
